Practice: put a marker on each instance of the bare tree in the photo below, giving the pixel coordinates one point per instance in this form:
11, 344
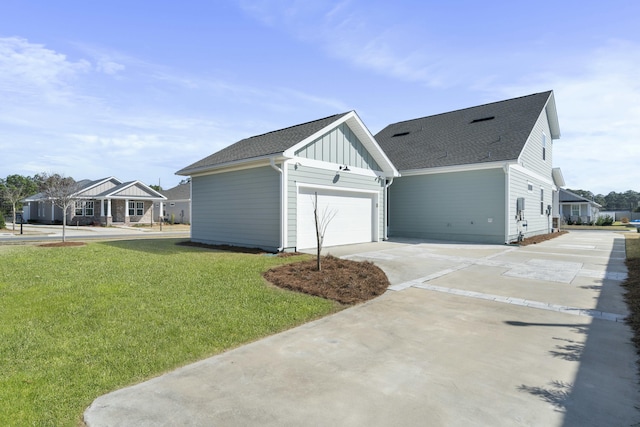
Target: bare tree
322, 221
62, 192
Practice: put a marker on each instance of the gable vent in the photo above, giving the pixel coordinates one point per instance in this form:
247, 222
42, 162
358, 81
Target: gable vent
483, 119
400, 134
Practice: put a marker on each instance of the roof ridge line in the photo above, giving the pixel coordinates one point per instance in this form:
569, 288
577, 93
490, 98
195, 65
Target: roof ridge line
469, 108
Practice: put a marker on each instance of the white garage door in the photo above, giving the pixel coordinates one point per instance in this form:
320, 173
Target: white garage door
353, 221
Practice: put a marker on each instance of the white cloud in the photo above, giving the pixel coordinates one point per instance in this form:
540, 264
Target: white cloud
33, 71
599, 118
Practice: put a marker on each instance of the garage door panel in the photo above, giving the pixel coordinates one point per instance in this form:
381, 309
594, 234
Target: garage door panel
352, 223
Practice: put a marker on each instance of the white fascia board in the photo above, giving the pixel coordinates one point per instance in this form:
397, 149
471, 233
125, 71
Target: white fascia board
552, 117
319, 164
457, 168
151, 191
232, 166
363, 134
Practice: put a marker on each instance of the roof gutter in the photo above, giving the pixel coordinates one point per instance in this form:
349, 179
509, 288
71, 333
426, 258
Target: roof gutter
386, 208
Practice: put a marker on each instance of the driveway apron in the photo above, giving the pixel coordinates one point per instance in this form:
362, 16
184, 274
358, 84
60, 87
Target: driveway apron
466, 335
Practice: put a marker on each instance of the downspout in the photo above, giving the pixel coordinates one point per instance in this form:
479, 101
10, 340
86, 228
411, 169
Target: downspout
386, 208
507, 198
272, 163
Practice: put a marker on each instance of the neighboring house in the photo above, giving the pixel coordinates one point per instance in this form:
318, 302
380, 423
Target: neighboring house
481, 174
575, 208
105, 201
177, 207
260, 191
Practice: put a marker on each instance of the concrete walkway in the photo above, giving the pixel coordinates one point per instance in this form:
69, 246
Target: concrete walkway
468, 335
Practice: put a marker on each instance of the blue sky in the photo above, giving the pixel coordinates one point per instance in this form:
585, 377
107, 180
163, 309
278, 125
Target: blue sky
140, 89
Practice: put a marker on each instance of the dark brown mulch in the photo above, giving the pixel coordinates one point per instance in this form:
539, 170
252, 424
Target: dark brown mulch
61, 244
632, 298
541, 238
341, 280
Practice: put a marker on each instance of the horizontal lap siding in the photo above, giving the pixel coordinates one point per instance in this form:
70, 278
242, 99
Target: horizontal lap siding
308, 175
238, 208
461, 206
536, 223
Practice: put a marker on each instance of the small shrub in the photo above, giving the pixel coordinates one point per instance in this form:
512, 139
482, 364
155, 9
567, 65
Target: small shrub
578, 221
624, 220
604, 220
569, 221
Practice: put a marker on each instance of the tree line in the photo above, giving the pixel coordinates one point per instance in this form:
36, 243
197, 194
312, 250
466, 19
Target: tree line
627, 201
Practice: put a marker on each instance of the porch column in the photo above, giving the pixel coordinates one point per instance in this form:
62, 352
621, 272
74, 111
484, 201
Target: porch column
160, 212
108, 219
126, 212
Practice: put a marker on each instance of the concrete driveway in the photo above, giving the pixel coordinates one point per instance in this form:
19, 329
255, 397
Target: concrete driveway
468, 335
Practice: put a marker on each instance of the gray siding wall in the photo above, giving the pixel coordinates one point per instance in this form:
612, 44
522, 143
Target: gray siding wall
340, 146
531, 156
537, 223
315, 176
459, 206
240, 208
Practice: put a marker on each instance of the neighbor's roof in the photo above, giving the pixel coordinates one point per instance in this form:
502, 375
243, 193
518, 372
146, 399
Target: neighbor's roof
486, 133
566, 196
267, 144
179, 192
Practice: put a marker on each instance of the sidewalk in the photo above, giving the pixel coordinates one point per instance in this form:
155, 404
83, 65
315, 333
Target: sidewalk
49, 232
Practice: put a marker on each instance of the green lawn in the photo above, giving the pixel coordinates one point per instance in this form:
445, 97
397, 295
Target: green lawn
78, 322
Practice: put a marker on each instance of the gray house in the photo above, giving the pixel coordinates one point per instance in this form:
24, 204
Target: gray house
481, 174
576, 208
260, 191
104, 201
177, 207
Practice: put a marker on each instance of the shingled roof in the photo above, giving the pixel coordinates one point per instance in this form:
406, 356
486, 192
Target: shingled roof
486, 133
267, 144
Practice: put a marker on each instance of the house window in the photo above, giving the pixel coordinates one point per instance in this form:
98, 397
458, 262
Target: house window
575, 210
529, 187
541, 201
88, 208
136, 208
544, 147
84, 208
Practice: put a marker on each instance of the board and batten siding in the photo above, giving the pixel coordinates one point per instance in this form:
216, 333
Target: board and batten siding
340, 146
240, 208
459, 206
99, 189
305, 175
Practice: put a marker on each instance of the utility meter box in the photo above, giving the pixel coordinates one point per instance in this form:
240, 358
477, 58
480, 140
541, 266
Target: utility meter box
520, 204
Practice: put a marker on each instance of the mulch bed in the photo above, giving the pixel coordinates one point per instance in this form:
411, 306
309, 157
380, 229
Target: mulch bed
541, 238
341, 280
61, 244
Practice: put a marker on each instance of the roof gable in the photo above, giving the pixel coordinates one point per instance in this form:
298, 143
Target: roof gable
486, 133
566, 196
286, 142
267, 144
